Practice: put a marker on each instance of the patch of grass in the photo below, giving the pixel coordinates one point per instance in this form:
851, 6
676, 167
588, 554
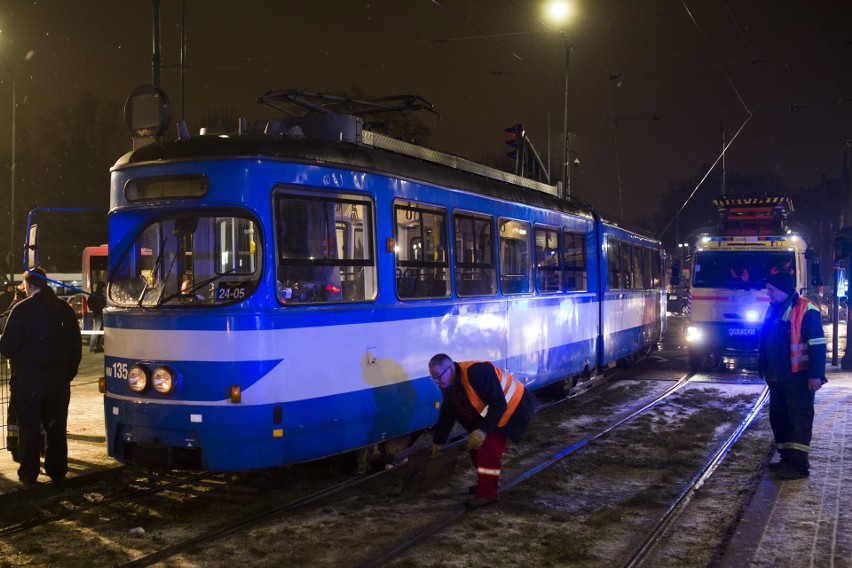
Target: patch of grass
644, 500
707, 420
604, 517
32, 548
407, 563
698, 397
486, 523
560, 548
676, 441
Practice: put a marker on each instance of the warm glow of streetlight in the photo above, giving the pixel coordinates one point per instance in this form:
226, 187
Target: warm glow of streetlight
559, 11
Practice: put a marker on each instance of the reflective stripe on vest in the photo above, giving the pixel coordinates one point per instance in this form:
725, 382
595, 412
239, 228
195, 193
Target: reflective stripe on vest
488, 471
513, 390
798, 349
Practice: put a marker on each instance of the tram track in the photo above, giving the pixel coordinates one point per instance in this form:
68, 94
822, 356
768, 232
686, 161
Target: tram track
272, 512
36, 522
688, 492
40, 514
656, 532
433, 512
252, 520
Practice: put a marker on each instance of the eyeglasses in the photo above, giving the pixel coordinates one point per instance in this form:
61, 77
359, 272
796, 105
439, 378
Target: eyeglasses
440, 375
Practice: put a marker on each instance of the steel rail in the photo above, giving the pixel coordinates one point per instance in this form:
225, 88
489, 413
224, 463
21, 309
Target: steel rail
576, 446
33, 523
254, 519
685, 497
419, 535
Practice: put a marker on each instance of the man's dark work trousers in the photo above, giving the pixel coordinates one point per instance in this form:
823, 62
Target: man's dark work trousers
791, 415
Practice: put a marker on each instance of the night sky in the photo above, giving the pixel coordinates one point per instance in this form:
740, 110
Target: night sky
652, 82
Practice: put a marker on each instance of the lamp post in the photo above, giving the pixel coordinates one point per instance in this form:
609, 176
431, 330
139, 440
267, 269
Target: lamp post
566, 171
12, 181
559, 12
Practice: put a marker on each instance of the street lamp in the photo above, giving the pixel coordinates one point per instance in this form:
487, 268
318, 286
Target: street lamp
559, 12
576, 161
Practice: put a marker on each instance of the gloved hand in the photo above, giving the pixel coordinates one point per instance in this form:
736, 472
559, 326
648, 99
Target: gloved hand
436, 450
475, 439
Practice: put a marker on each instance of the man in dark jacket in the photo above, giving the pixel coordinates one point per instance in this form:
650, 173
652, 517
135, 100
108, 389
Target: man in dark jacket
792, 360
491, 405
42, 341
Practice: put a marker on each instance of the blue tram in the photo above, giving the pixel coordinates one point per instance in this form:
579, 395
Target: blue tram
276, 293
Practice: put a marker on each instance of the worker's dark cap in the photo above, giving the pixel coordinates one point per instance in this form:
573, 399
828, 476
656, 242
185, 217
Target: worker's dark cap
783, 280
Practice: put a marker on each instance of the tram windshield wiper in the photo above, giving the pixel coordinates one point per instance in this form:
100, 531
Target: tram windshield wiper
196, 287
157, 262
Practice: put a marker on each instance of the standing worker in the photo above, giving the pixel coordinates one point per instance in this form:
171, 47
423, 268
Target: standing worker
491, 405
42, 341
96, 302
792, 360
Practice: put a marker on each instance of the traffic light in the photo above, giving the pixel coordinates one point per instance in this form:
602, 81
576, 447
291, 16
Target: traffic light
515, 141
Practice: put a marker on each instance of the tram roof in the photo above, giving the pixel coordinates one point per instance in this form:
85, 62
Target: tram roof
375, 153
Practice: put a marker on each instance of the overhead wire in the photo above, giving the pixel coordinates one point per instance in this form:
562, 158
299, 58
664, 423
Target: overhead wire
748, 117
492, 37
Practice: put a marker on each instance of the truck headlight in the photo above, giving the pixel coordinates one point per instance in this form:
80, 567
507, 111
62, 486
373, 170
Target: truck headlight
137, 378
163, 380
694, 334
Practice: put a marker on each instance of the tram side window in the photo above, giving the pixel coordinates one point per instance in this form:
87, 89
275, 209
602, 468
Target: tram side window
422, 260
548, 269
576, 273
613, 256
476, 272
653, 277
639, 271
655, 268
514, 257
626, 266
325, 249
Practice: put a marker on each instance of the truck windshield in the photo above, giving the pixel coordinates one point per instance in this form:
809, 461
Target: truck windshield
206, 260
738, 269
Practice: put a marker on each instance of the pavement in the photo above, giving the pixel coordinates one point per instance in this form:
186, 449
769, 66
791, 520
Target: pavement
788, 523
806, 522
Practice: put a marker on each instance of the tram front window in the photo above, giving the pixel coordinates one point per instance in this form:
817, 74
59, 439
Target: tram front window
189, 261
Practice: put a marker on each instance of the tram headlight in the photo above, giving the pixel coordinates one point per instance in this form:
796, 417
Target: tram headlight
694, 334
163, 380
137, 378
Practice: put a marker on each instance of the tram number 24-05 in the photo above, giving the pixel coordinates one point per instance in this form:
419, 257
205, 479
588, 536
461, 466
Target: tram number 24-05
231, 291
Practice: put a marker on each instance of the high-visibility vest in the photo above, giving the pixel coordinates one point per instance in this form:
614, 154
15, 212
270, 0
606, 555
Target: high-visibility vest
798, 350
513, 390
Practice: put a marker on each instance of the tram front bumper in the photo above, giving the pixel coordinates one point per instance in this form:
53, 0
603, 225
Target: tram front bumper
722, 338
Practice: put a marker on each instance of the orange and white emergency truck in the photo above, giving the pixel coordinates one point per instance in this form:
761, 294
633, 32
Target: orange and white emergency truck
726, 299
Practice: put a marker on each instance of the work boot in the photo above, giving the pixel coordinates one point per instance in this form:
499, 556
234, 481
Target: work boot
478, 502
473, 489
775, 466
787, 471
27, 482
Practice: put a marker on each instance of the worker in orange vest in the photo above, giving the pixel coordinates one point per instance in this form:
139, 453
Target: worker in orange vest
792, 360
491, 405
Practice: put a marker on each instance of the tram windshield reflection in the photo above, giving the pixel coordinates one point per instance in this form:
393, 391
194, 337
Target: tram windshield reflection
205, 260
